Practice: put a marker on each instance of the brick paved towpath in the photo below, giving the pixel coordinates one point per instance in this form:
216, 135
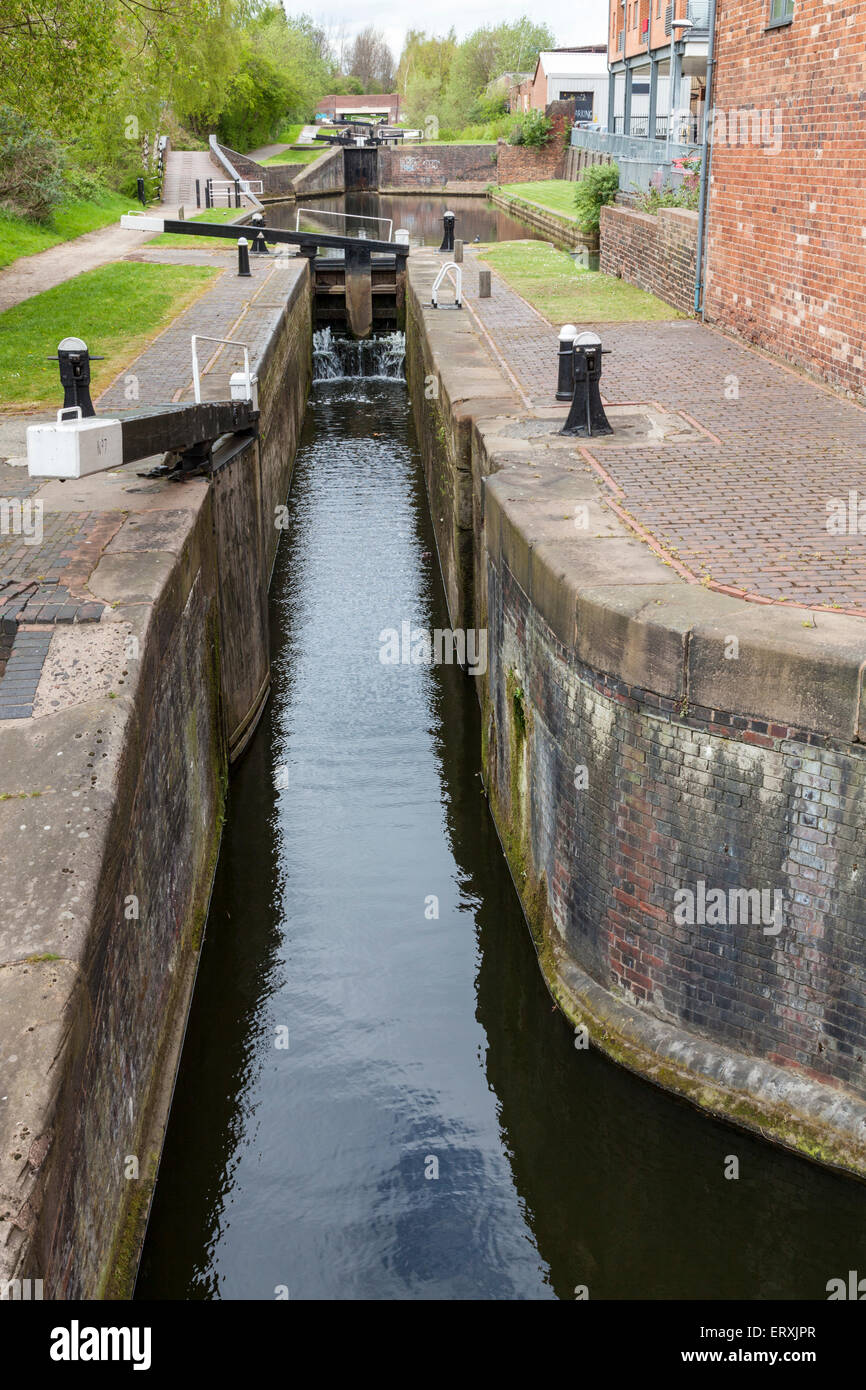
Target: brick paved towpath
45, 574
741, 503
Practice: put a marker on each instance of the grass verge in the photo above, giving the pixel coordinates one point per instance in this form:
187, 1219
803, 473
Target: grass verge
117, 310
21, 237
563, 293
305, 156
201, 243
555, 194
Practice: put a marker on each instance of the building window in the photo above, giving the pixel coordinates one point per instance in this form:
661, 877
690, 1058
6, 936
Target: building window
781, 11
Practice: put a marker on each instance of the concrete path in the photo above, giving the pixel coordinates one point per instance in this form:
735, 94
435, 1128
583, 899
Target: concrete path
182, 168
742, 503
266, 151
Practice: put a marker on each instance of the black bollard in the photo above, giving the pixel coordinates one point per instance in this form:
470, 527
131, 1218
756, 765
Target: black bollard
260, 247
586, 416
565, 379
74, 359
243, 256
448, 220
142, 196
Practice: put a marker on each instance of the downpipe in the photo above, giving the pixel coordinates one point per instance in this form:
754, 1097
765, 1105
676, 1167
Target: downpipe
706, 158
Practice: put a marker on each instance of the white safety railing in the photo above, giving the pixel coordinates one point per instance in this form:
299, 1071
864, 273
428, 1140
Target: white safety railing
226, 342
359, 216
450, 271
243, 185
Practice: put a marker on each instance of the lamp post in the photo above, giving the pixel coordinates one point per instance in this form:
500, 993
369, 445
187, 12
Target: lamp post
676, 24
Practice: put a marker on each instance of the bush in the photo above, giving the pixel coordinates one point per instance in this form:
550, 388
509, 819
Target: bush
597, 187
31, 168
685, 194
533, 128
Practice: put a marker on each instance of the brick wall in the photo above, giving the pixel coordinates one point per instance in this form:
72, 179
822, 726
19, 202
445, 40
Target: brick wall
671, 799
523, 164
436, 166
787, 210
657, 252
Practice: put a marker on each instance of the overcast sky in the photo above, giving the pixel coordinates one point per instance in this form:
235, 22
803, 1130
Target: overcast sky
572, 21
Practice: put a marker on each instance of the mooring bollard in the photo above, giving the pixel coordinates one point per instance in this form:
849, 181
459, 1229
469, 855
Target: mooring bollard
458, 251
260, 246
75, 360
448, 220
484, 284
565, 379
243, 256
586, 416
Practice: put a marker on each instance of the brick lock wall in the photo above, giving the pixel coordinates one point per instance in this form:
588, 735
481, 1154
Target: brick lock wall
523, 164
671, 799
433, 167
787, 223
657, 252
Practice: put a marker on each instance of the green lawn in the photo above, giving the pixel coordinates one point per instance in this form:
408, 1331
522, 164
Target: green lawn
303, 156
290, 133
556, 194
116, 309
180, 242
21, 237
560, 291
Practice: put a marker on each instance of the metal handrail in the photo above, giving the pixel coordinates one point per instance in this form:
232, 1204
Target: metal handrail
226, 342
328, 212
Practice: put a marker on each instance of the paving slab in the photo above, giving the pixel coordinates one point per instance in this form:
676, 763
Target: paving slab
739, 498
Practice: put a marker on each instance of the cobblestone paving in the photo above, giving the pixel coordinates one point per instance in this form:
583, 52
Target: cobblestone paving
746, 507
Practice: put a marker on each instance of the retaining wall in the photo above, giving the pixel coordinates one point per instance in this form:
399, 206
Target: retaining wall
563, 231
627, 759
657, 252
106, 896
434, 166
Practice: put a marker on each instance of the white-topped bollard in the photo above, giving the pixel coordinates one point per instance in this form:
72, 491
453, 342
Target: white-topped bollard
565, 378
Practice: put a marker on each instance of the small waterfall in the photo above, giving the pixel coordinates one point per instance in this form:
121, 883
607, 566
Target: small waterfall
338, 358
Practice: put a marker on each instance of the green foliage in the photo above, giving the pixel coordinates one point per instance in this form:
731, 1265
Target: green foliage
685, 194
533, 128
597, 187
466, 70
31, 168
487, 108
22, 236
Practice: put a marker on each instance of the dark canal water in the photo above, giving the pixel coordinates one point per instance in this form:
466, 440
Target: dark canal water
419, 213
410, 1038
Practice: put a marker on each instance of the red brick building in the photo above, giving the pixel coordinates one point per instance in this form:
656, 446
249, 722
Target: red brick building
786, 230
372, 104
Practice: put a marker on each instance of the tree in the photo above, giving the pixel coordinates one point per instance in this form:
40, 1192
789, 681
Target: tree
488, 53
371, 60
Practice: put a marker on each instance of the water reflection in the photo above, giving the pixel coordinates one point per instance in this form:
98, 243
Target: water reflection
419, 213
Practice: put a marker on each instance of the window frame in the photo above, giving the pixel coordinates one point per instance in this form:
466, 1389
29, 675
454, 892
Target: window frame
782, 21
